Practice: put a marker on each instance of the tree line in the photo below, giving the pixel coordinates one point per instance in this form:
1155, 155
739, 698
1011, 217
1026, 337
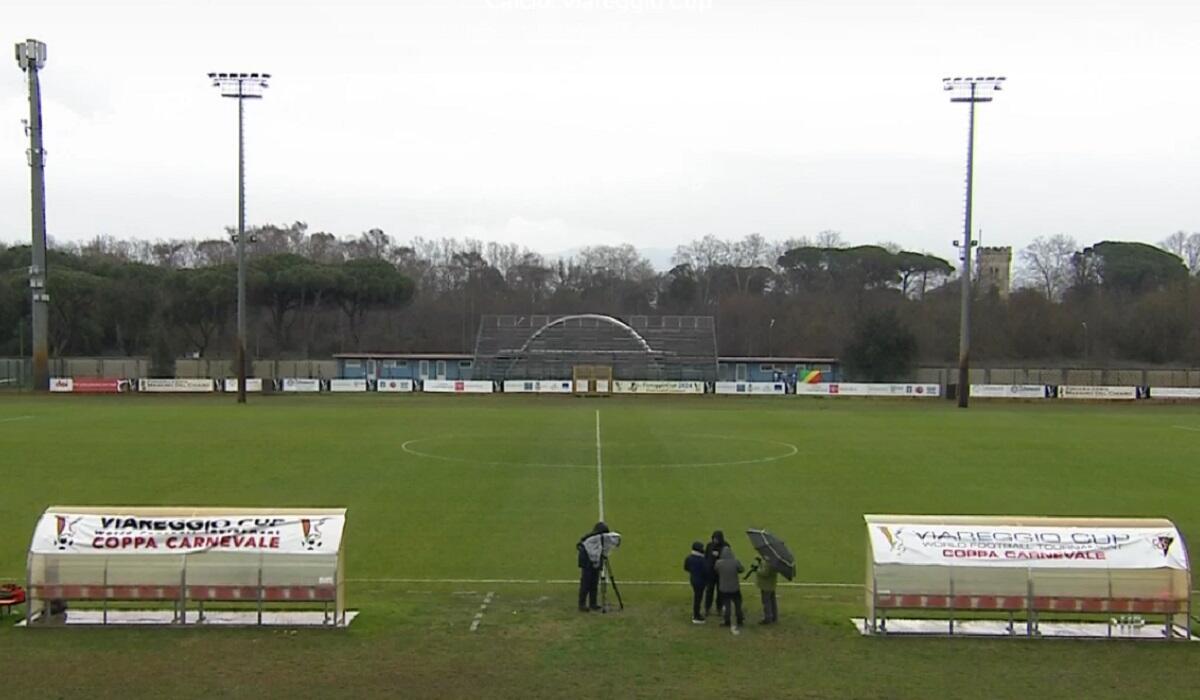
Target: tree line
882, 308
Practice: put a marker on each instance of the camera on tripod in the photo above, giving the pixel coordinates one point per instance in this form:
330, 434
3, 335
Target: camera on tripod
598, 547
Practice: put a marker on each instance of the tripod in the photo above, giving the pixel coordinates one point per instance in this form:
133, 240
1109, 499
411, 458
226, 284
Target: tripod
606, 575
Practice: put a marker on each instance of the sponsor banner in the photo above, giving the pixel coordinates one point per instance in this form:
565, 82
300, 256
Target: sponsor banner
657, 387
94, 385
65, 384
602, 386
537, 386
1174, 392
1068, 391
457, 386
394, 385
73, 533
302, 385
343, 385
751, 388
1008, 391
866, 389
191, 386
581, 386
252, 384
1028, 547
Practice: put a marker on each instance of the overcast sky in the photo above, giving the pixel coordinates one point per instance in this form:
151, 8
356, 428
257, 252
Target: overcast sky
562, 123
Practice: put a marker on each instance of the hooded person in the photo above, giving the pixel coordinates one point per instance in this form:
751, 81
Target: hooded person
698, 576
589, 571
712, 551
729, 586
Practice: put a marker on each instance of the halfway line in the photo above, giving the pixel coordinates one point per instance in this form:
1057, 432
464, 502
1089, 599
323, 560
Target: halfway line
599, 467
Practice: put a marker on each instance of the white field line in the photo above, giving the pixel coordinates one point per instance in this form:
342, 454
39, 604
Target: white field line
1187, 427
599, 467
575, 582
487, 600
15, 418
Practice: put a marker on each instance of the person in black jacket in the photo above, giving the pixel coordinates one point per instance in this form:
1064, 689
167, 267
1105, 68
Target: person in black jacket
698, 577
589, 572
712, 551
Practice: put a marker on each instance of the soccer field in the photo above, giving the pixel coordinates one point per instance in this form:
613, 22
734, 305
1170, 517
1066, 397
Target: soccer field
454, 498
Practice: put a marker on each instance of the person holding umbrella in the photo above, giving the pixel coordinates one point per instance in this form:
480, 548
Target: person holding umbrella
774, 558
764, 576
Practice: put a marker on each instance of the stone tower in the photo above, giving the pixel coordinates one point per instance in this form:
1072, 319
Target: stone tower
993, 269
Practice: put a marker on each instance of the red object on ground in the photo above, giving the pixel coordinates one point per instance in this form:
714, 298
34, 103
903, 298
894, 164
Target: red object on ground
10, 595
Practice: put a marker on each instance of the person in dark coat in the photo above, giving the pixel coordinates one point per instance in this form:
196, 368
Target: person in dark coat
712, 551
698, 577
728, 568
589, 572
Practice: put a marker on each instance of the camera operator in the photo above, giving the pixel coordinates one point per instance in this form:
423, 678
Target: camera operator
589, 571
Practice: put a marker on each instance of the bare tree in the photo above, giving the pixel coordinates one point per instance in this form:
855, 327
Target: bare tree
830, 239
1046, 264
1186, 247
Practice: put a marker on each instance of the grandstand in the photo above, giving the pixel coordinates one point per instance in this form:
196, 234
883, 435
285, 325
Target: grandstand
635, 347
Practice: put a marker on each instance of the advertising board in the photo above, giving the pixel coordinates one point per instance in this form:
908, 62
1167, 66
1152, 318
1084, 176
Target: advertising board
870, 389
302, 385
394, 385
1104, 393
347, 385
64, 532
537, 386
656, 387
1174, 392
1009, 391
751, 388
252, 384
177, 385
457, 386
1036, 546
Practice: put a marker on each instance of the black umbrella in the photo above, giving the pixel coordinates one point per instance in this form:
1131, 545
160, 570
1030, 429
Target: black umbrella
775, 551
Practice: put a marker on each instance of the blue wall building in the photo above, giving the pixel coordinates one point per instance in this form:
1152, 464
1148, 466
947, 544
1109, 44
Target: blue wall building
418, 366
769, 369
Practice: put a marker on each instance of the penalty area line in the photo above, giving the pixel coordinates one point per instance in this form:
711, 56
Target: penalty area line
13, 419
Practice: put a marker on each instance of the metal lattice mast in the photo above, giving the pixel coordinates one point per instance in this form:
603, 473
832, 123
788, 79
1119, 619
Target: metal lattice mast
241, 86
971, 91
31, 56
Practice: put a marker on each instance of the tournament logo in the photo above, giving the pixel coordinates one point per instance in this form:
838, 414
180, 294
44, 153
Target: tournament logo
1163, 543
64, 537
313, 539
893, 539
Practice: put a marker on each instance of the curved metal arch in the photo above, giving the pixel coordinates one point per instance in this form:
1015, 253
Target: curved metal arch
596, 317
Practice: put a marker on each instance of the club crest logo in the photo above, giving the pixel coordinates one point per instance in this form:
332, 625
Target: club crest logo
64, 536
893, 539
313, 539
1163, 543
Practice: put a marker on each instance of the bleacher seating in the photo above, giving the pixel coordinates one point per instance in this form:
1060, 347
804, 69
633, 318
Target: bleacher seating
636, 347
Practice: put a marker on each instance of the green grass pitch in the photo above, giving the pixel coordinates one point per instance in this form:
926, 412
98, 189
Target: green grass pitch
451, 497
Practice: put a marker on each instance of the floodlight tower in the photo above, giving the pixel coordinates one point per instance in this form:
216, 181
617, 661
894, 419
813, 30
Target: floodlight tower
31, 56
971, 91
242, 87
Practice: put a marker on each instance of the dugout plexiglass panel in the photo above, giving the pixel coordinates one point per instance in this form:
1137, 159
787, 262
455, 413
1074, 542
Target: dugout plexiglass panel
82, 570
962, 566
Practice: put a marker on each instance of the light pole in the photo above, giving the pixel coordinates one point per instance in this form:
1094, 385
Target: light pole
31, 56
971, 91
770, 336
1085, 341
242, 87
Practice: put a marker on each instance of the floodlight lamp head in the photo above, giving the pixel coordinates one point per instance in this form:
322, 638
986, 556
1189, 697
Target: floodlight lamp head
31, 53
